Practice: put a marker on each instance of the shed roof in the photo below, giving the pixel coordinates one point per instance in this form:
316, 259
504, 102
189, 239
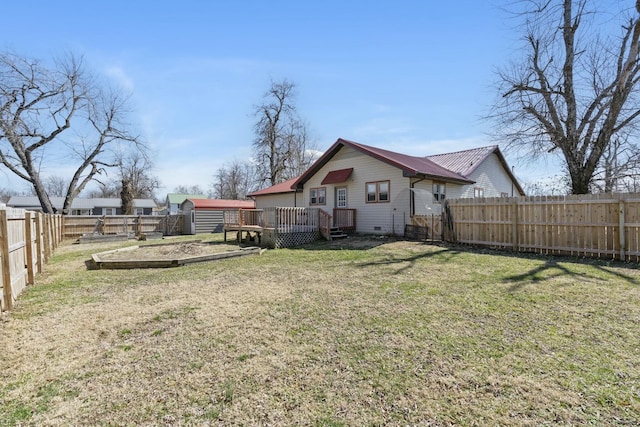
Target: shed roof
78, 203
218, 204
181, 197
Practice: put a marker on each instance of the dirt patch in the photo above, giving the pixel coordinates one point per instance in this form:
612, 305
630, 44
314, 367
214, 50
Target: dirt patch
168, 251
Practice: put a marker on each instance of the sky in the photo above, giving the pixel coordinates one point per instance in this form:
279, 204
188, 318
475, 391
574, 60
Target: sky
416, 77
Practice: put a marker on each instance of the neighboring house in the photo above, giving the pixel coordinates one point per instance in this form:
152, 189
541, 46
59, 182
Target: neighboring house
281, 195
175, 200
384, 189
82, 206
206, 215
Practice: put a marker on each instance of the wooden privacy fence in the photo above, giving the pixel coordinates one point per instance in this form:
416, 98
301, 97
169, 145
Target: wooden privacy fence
76, 226
27, 240
603, 226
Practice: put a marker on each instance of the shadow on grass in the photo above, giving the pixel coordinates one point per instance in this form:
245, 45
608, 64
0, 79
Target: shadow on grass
408, 262
556, 267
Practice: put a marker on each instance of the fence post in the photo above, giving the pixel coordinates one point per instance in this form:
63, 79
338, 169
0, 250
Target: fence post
39, 247
514, 225
621, 224
28, 240
5, 266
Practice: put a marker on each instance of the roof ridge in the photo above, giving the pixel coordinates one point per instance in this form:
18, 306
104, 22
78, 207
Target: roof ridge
493, 147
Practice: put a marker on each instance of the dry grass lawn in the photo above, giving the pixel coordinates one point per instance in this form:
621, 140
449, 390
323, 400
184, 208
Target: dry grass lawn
385, 333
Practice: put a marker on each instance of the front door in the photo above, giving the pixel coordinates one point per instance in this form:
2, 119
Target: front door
341, 197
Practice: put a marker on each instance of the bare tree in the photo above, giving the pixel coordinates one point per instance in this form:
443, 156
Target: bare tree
61, 108
619, 168
281, 137
108, 189
575, 92
135, 168
55, 186
189, 189
234, 181
6, 194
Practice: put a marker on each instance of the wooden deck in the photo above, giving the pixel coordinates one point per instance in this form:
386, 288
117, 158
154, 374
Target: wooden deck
283, 226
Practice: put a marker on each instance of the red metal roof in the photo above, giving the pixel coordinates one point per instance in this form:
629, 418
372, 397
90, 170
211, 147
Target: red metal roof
217, 204
410, 165
337, 176
283, 187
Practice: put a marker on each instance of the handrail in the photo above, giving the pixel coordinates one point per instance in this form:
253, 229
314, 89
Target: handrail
325, 224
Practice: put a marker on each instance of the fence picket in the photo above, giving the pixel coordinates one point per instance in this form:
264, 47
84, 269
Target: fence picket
601, 226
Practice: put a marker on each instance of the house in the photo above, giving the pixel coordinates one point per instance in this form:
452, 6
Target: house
206, 215
384, 189
175, 200
85, 206
281, 195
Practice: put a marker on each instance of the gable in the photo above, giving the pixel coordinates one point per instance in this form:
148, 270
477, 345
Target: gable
408, 165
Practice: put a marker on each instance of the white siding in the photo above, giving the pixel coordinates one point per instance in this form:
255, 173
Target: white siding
282, 200
423, 196
492, 178
377, 218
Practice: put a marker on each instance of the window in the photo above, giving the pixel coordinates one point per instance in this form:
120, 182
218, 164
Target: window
81, 212
439, 191
504, 194
377, 192
138, 211
478, 192
318, 196
108, 211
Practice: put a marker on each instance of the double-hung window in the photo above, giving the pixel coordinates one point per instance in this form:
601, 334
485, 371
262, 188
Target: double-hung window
377, 192
439, 191
318, 196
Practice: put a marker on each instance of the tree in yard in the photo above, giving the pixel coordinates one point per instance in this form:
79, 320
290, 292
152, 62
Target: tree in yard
576, 92
282, 149
61, 110
234, 181
189, 189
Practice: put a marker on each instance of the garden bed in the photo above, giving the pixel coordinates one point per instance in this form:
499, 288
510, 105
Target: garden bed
168, 255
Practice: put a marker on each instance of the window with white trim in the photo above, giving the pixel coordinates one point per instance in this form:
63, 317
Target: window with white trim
478, 192
108, 211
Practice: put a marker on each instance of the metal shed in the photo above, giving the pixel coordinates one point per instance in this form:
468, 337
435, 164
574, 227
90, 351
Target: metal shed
206, 215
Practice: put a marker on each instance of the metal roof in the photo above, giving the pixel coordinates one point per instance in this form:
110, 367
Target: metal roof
337, 176
465, 162
283, 187
78, 202
181, 197
410, 165
217, 204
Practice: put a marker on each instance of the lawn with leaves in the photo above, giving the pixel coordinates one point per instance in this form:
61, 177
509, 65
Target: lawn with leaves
380, 332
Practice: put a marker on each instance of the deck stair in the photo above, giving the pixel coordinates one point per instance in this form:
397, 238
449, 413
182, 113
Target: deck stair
337, 233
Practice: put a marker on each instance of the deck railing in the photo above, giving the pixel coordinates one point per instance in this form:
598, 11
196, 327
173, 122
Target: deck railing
345, 219
325, 224
243, 217
291, 220
284, 219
